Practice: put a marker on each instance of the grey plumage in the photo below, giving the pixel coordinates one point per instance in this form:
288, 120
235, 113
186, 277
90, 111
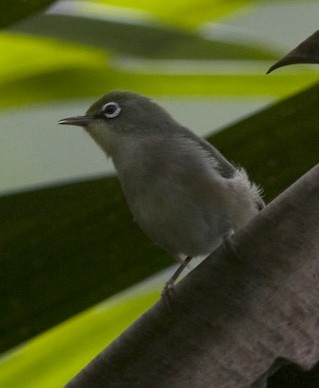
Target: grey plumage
180, 189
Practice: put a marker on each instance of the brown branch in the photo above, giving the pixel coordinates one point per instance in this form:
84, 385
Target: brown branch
249, 304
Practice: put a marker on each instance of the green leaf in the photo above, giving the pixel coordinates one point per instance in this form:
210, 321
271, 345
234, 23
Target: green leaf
58, 236
53, 358
52, 70
140, 39
182, 13
69, 83
12, 12
40, 54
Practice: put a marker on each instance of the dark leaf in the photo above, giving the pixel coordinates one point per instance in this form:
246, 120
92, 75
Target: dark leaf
305, 52
19, 9
147, 40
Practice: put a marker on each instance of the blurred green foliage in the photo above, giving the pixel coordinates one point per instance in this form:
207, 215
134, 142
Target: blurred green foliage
66, 248
78, 50
181, 13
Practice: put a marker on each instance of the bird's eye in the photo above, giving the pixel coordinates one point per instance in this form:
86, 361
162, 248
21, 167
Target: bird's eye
111, 109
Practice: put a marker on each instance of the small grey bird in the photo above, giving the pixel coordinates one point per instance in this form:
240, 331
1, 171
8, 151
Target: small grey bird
182, 192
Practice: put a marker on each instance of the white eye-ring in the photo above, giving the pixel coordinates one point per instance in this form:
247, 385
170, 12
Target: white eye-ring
111, 110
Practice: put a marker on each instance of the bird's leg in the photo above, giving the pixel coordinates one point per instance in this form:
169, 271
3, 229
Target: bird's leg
170, 283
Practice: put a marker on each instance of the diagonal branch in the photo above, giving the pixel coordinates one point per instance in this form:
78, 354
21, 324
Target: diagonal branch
249, 304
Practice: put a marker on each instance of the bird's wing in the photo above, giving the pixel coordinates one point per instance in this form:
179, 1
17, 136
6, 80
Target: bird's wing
225, 168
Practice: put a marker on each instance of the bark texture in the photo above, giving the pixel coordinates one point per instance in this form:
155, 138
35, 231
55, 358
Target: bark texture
253, 302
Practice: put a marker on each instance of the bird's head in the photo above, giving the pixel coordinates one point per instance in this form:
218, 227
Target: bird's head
121, 115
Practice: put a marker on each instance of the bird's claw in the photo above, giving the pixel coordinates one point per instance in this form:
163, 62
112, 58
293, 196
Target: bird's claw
168, 289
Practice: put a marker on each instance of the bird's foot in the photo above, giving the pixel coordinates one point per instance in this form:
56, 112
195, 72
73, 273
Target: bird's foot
228, 242
228, 235
168, 289
169, 286
167, 293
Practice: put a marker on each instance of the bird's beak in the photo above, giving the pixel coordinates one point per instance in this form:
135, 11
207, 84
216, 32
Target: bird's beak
81, 121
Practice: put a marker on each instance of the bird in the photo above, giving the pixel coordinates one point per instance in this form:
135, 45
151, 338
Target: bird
182, 192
